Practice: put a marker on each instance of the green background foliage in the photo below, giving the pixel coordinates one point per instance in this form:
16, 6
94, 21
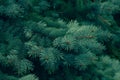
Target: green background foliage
59, 40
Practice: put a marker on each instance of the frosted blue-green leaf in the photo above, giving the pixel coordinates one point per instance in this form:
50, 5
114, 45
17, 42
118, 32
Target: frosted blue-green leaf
29, 77
82, 61
50, 58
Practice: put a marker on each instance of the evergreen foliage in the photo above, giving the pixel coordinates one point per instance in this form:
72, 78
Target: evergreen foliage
59, 40
29, 77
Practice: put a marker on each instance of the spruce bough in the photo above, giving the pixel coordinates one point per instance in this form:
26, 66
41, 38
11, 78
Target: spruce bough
45, 40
